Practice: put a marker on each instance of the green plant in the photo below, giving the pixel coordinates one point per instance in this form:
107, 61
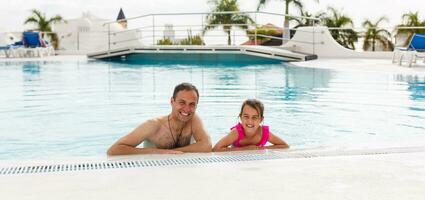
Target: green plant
374, 35
192, 40
45, 25
297, 3
410, 19
260, 34
164, 41
345, 36
226, 20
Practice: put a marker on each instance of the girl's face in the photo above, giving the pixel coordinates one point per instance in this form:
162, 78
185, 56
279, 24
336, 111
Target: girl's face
250, 120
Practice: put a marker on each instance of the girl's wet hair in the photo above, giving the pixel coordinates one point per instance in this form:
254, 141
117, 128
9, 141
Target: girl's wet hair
254, 103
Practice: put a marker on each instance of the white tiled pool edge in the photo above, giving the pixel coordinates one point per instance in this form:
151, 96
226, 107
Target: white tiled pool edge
360, 176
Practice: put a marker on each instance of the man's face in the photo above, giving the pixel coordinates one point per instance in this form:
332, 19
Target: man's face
184, 105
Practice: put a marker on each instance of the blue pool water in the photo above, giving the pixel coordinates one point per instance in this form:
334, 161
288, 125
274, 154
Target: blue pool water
62, 109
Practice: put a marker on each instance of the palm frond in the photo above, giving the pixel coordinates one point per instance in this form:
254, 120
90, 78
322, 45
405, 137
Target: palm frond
261, 4
31, 20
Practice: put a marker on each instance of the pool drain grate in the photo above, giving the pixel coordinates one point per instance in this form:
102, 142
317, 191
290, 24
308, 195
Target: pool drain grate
35, 169
131, 164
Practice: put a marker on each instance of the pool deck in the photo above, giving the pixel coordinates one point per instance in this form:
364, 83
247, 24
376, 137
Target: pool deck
355, 64
362, 64
372, 174
364, 174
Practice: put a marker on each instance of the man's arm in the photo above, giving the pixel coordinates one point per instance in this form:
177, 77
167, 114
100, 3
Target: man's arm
203, 142
127, 144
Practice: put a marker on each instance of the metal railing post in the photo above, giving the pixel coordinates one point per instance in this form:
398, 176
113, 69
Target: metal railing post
109, 36
78, 40
314, 34
394, 37
234, 38
202, 22
153, 29
204, 25
255, 30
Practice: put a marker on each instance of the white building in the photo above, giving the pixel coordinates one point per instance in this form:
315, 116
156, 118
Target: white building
90, 33
7, 38
169, 32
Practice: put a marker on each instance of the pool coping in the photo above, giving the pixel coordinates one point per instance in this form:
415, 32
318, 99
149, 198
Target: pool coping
391, 173
75, 164
351, 64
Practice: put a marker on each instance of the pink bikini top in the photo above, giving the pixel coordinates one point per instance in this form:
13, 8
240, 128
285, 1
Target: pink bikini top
241, 135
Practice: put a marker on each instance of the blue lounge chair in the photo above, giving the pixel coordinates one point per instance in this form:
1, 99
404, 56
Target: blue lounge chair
31, 39
413, 51
11, 49
35, 45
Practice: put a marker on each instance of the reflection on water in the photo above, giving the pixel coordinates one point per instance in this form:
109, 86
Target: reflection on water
31, 71
31, 68
416, 85
75, 109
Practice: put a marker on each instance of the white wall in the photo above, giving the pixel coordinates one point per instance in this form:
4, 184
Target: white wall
89, 34
325, 46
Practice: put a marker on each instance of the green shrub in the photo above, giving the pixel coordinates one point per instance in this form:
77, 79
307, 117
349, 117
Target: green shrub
165, 41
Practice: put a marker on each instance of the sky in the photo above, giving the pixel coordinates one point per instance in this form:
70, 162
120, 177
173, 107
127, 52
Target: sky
14, 12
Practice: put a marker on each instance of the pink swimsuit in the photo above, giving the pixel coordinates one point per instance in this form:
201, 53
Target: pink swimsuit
241, 135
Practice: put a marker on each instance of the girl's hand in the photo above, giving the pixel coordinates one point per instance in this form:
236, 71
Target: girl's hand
251, 147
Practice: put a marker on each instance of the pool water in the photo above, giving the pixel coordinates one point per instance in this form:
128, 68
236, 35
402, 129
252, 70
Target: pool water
64, 109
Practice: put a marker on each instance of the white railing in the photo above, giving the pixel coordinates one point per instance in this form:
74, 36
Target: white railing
149, 29
152, 28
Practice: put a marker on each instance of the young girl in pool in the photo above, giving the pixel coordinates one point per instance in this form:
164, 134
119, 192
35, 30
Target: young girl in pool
249, 134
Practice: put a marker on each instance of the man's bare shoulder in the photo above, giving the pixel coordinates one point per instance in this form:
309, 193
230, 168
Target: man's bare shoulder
149, 127
156, 122
197, 122
196, 119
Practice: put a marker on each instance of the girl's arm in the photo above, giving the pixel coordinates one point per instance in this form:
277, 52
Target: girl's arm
226, 141
277, 143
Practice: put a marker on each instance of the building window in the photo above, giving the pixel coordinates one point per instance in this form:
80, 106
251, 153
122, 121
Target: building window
83, 29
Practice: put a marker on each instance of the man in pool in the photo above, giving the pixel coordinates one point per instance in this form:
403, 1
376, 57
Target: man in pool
170, 134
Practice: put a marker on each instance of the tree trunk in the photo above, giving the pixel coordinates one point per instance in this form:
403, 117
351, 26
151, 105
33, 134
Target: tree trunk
229, 40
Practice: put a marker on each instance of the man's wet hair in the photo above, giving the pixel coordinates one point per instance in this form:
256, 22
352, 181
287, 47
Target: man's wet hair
187, 87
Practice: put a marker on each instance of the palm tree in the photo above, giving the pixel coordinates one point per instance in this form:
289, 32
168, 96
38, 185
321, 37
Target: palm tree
307, 22
227, 20
410, 19
375, 36
347, 36
297, 3
44, 25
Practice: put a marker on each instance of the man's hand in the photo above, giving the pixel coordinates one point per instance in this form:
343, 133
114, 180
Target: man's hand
166, 151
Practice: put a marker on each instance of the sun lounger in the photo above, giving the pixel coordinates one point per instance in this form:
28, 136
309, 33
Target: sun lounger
410, 54
12, 50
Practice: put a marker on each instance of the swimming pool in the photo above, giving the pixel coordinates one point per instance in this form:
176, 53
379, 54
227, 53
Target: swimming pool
62, 109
